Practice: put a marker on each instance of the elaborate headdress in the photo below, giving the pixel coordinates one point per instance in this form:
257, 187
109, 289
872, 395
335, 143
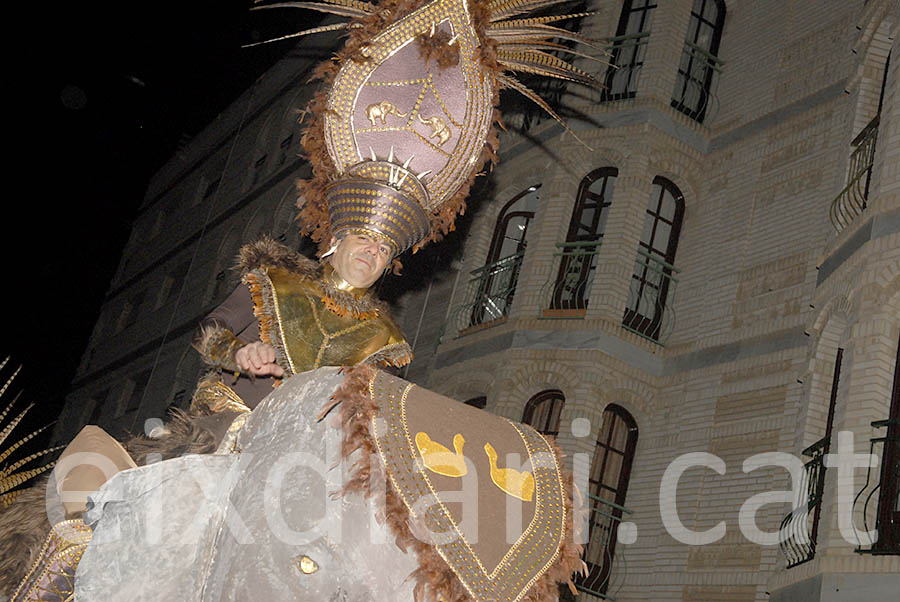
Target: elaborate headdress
405, 120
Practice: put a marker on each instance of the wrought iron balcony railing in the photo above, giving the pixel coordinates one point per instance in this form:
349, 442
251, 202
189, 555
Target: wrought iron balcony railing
649, 312
626, 59
853, 198
698, 76
489, 293
886, 513
569, 285
799, 529
604, 565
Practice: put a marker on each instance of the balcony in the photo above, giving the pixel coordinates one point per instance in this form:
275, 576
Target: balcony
885, 514
800, 527
489, 294
569, 286
853, 198
649, 312
698, 77
604, 565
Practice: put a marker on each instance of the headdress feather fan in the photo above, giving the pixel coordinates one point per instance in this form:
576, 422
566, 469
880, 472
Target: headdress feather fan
501, 39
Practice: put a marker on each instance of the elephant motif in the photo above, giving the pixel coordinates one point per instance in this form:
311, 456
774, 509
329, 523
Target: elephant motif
438, 127
380, 111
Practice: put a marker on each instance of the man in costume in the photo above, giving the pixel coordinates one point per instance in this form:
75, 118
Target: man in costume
290, 315
398, 134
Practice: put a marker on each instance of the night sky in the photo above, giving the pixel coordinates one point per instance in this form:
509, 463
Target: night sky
103, 95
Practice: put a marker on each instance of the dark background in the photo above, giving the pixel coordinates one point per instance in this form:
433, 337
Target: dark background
103, 94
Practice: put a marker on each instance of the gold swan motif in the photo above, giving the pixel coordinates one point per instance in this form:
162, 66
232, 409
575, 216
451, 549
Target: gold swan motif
519, 484
441, 460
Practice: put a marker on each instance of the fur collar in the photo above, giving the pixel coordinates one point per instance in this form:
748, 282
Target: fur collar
265, 253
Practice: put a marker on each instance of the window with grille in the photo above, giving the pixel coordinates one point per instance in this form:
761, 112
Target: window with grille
652, 276
497, 279
586, 228
628, 50
610, 473
699, 62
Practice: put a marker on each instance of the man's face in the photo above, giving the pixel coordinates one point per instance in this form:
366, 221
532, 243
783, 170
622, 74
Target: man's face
360, 259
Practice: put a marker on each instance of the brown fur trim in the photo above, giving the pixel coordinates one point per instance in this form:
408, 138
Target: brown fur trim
313, 205
347, 304
217, 347
266, 252
434, 579
182, 435
396, 355
23, 529
264, 310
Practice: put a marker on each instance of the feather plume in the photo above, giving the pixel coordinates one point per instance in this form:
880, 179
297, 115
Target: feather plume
343, 9
545, 32
537, 20
541, 63
553, 46
512, 83
10, 476
9, 450
299, 34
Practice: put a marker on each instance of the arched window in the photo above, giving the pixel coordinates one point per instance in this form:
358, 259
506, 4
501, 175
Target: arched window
654, 267
477, 402
494, 284
610, 472
512, 224
586, 228
854, 198
543, 411
699, 59
628, 50
888, 521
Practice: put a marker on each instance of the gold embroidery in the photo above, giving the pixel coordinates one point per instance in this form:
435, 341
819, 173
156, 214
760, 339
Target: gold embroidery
327, 336
533, 553
438, 127
380, 110
519, 484
441, 460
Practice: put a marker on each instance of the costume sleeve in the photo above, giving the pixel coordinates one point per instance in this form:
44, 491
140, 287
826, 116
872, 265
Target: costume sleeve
396, 352
215, 337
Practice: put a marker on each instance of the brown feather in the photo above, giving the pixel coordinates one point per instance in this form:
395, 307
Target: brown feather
343, 10
537, 20
528, 93
307, 32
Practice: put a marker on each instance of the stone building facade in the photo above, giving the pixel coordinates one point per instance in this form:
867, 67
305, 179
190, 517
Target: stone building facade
714, 270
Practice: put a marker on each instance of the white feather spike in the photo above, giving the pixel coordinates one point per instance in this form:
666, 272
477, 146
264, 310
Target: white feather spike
423, 174
372, 151
391, 156
406, 165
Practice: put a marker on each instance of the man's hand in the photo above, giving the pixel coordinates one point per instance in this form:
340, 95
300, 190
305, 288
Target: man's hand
258, 359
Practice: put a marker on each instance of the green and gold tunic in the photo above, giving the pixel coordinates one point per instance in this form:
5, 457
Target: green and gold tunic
305, 311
